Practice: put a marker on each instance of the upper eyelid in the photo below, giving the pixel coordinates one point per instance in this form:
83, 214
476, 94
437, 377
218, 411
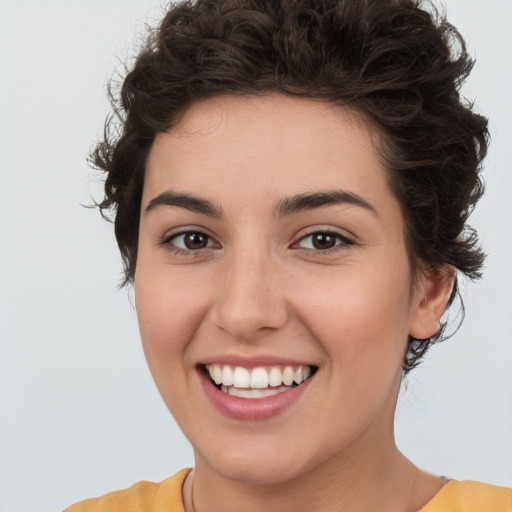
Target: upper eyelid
342, 233
342, 238
183, 230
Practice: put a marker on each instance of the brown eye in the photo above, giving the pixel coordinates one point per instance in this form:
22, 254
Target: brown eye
323, 241
195, 240
190, 241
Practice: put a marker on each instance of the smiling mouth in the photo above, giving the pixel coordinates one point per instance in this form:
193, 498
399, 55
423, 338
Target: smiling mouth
257, 382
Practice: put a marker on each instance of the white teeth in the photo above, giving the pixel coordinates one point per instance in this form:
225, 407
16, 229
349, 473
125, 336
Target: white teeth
238, 380
227, 375
253, 393
241, 377
301, 374
259, 378
275, 377
217, 377
288, 375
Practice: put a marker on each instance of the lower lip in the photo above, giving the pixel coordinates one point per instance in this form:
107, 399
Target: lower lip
251, 409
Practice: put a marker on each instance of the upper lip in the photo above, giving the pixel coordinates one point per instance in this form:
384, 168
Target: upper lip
253, 361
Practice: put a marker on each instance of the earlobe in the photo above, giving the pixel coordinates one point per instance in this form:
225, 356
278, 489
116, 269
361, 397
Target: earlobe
432, 295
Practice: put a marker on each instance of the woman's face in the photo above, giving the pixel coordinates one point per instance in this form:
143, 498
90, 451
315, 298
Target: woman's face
272, 247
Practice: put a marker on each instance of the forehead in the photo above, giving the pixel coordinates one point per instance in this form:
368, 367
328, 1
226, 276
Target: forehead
263, 146
274, 117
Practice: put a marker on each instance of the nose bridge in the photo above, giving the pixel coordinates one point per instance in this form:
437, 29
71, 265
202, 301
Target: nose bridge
249, 299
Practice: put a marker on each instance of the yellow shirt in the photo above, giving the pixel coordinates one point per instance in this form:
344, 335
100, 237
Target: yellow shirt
469, 496
141, 497
455, 496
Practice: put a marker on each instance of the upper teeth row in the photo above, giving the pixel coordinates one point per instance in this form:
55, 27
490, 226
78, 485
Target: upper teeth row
260, 377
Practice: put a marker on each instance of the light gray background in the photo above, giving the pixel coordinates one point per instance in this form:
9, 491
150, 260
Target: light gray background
79, 413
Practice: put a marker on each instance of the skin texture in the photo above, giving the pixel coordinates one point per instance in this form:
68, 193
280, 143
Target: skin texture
259, 288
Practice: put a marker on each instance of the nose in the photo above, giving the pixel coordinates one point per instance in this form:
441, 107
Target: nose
250, 299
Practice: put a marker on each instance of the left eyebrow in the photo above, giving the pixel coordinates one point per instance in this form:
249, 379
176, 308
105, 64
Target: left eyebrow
310, 201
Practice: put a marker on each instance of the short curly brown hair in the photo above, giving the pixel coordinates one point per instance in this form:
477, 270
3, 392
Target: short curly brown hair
399, 62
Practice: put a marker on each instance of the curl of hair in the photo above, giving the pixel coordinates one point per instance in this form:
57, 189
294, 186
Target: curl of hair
399, 62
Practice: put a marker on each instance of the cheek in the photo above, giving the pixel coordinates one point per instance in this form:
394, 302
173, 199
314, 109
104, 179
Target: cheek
362, 326
167, 316
359, 317
169, 311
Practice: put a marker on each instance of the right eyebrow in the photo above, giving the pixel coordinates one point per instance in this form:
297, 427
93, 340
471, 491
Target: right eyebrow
183, 200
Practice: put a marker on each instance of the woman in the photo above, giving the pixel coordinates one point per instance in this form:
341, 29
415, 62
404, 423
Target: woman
291, 187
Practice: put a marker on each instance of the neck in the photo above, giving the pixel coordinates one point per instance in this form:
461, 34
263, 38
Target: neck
356, 482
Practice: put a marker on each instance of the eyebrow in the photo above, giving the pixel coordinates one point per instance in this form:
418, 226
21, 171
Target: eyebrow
285, 207
310, 201
183, 200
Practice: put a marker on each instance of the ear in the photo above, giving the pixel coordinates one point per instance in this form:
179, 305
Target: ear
432, 293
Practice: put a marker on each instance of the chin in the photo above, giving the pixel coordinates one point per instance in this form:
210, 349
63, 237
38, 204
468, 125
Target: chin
264, 473
261, 463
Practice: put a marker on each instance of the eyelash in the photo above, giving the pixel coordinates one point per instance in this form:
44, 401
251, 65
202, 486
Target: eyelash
343, 242
168, 245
